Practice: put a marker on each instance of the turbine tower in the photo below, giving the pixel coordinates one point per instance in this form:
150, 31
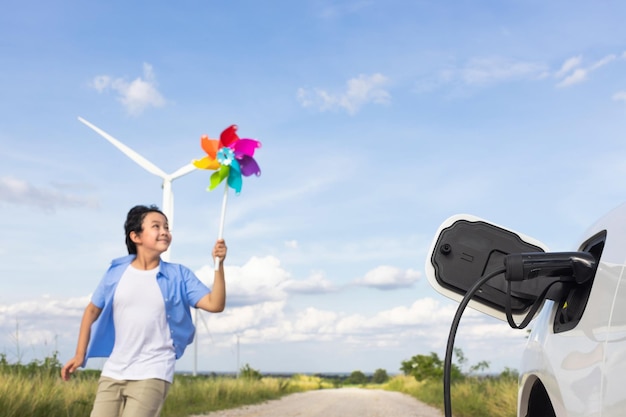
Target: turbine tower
168, 195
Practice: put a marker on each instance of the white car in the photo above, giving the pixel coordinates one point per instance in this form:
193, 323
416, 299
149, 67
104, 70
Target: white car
574, 363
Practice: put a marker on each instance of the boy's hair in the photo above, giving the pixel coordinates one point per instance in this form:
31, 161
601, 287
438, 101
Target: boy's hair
134, 223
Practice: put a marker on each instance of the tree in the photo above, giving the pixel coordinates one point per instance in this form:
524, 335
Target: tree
424, 367
380, 376
479, 367
357, 378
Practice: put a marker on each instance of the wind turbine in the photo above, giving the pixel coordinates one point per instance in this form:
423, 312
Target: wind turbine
168, 196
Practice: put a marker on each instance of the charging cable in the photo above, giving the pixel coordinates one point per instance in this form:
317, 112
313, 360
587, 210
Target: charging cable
569, 267
447, 364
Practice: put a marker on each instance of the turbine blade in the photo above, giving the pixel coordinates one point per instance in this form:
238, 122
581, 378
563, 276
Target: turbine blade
182, 171
143, 162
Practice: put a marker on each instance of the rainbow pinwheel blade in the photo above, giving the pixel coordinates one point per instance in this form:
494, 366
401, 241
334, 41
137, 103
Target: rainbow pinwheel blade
206, 163
249, 166
234, 181
230, 157
245, 147
218, 176
229, 136
210, 146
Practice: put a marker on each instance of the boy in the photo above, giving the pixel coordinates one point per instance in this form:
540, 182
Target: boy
141, 319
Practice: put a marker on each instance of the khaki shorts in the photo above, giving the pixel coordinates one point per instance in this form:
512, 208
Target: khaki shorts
117, 398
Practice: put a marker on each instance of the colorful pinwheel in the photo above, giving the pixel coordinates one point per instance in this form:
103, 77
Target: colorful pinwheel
230, 156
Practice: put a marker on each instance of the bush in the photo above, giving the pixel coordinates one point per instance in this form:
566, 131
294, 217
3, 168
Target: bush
380, 376
49, 366
248, 373
509, 374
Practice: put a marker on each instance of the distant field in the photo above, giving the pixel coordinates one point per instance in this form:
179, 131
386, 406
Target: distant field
36, 390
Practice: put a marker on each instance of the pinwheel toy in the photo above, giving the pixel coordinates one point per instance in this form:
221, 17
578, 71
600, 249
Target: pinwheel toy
230, 157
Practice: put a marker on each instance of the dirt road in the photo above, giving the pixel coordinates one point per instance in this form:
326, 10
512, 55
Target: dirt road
343, 402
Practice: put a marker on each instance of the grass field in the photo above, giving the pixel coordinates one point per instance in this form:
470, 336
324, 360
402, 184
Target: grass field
470, 397
36, 390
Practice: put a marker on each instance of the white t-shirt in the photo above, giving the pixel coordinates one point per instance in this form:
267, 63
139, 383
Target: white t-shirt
143, 346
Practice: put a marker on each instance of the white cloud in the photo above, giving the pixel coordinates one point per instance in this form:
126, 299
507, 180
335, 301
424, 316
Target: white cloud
248, 318
422, 312
101, 83
34, 327
359, 91
604, 61
315, 284
569, 65
20, 192
315, 320
257, 281
49, 309
47, 324
270, 322
389, 277
620, 96
303, 97
578, 76
136, 95
263, 280
263, 320
571, 74
293, 244
492, 70
483, 71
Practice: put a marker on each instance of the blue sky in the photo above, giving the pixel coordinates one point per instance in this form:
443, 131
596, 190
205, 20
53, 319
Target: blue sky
378, 119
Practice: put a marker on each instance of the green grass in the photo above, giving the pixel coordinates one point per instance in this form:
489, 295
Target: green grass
470, 397
40, 395
36, 390
199, 395
43, 394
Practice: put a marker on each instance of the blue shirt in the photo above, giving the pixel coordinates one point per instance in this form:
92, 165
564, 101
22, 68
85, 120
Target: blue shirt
181, 290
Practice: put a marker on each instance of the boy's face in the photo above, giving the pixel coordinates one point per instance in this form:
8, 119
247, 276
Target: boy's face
155, 235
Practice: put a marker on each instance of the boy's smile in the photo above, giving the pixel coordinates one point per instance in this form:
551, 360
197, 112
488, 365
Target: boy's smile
155, 234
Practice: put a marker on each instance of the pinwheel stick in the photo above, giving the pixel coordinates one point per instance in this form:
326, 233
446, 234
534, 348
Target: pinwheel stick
221, 232
231, 158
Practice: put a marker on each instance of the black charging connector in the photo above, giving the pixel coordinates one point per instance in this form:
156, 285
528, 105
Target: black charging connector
562, 270
568, 266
